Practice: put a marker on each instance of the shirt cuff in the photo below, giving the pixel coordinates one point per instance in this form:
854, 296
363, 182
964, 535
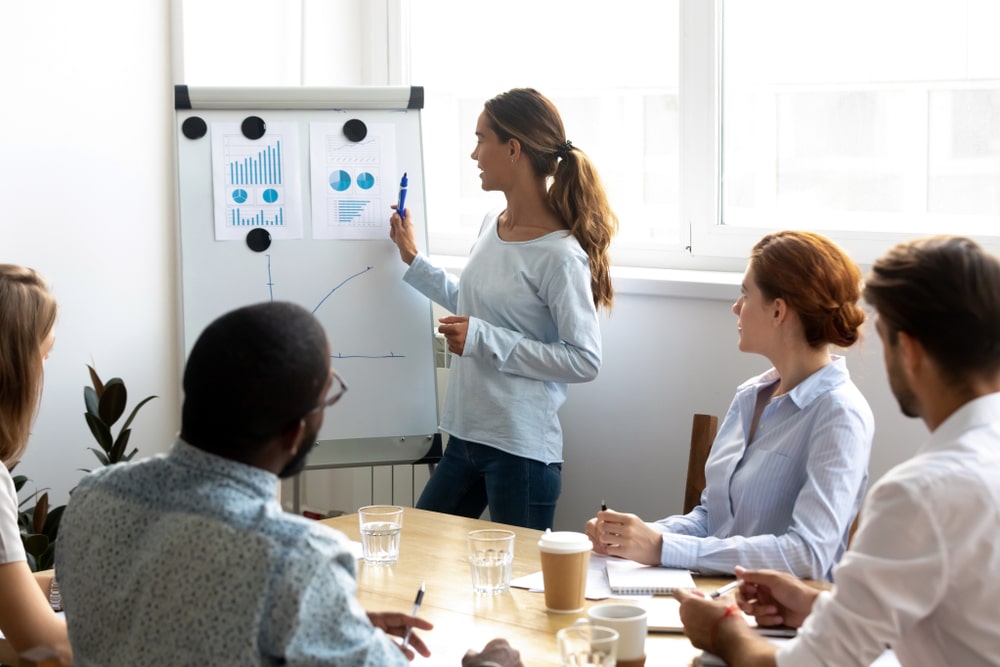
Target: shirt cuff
679, 551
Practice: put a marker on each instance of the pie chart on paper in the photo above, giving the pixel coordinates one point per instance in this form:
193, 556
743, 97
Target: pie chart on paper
340, 180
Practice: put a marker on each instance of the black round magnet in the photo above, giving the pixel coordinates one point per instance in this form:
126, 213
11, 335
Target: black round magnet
253, 127
355, 129
194, 127
258, 239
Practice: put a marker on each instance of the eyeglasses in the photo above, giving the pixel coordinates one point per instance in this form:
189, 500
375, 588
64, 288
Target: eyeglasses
334, 396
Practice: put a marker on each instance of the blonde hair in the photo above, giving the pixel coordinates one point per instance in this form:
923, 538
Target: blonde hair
576, 193
27, 315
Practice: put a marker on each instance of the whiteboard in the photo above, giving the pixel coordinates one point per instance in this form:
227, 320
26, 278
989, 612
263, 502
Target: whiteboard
380, 329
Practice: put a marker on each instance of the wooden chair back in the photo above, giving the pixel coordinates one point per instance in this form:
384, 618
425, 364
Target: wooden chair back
703, 430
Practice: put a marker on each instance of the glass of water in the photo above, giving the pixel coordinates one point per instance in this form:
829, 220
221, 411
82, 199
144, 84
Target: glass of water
380, 528
491, 553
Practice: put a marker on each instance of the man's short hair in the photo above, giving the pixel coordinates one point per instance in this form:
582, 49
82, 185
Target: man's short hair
251, 375
944, 291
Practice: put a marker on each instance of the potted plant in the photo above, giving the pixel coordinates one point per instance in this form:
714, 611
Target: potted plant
39, 526
105, 404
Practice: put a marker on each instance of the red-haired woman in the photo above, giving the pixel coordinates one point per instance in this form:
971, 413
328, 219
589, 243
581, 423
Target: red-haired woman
789, 466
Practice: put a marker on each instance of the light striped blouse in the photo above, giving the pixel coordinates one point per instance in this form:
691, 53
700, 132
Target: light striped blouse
786, 500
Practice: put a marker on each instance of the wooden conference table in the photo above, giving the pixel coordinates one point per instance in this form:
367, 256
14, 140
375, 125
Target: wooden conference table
433, 550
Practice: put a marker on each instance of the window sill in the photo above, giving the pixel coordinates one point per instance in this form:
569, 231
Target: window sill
676, 283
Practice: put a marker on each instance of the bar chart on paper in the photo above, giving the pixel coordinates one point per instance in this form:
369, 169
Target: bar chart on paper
256, 181
254, 178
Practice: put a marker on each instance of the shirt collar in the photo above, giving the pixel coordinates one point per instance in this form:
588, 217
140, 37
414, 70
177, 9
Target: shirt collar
977, 412
830, 376
261, 482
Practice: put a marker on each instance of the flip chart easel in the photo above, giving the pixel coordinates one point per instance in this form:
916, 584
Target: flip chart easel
281, 194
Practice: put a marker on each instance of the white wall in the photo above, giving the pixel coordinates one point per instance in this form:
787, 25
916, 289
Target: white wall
87, 177
88, 189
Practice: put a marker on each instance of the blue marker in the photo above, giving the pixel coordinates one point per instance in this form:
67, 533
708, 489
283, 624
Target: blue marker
402, 196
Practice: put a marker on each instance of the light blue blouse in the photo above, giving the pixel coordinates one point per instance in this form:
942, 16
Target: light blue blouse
533, 328
785, 501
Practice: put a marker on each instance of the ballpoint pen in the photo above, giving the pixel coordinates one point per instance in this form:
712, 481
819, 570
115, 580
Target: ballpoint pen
725, 589
604, 506
402, 196
416, 602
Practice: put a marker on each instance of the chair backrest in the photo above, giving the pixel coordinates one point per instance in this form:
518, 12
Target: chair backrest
703, 430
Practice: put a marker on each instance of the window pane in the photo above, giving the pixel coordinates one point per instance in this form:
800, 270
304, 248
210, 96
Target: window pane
612, 73
871, 115
964, 171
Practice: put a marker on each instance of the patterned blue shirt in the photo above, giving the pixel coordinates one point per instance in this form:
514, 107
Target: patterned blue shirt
188, 559
786, 500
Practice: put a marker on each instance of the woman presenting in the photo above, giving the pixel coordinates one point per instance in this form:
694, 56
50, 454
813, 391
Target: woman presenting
789, 465
525, 322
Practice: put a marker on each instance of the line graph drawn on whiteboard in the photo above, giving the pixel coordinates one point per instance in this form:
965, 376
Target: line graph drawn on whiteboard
315, 310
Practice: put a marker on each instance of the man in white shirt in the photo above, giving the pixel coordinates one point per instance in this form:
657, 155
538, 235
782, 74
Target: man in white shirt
922, 575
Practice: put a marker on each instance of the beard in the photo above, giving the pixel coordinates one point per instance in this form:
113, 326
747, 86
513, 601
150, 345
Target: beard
298, 462
901, 389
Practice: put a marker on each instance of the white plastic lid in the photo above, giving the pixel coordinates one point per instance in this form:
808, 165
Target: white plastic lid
564, 542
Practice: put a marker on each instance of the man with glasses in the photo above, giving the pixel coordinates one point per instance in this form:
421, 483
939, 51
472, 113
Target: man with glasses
188, 558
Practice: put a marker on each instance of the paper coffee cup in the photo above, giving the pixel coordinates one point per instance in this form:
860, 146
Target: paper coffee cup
565, 556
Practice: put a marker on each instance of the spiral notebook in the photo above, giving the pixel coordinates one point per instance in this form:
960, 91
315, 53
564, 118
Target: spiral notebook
626, 577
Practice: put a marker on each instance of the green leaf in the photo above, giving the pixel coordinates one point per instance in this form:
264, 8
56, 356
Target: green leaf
113, 400
115, 455
52, 521
128, 422
40, 513
101, 456
47, 560
100, 431
35, 544
96, 380
133, 453
19, 481
90, 400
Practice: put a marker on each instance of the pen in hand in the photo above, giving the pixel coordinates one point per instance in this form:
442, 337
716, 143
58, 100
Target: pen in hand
401, 208
416, 606
604, 506
732, 585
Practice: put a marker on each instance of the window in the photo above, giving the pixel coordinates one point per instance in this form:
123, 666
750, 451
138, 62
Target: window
861, 118
612, 70
710, 121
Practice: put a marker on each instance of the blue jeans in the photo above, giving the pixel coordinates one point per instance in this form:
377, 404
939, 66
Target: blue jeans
471, 477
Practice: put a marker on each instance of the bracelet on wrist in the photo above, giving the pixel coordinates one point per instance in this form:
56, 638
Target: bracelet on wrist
731, 610
55, 597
